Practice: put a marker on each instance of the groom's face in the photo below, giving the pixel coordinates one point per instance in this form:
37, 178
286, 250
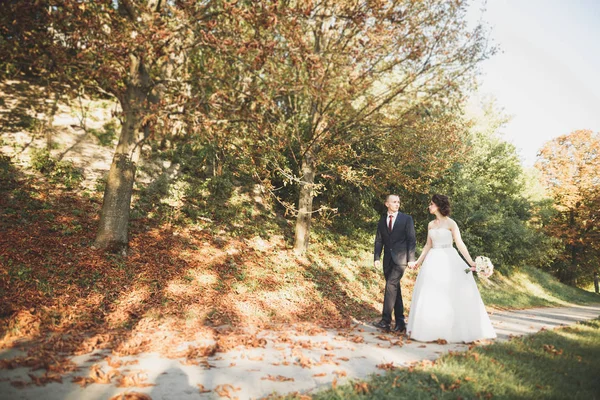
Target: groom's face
392, 203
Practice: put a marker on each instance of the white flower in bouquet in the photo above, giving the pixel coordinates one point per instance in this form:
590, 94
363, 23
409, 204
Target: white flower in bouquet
483, 267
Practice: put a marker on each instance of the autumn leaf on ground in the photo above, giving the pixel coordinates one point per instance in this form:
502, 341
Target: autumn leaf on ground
46, 378
227, 390
114, 363
426, 363
387, 367
131, 396
206, 364
343, 358
97, 375
82, 381
202, 389
441, 341
278, 378
135, 379
19, 384
319, 375
548, 348
361, 387
358, 339
340, 373
303, 361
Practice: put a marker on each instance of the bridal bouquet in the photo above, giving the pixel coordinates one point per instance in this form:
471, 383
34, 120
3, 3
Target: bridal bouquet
483, 267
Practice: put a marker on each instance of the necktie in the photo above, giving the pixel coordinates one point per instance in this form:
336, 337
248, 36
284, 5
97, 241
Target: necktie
390, 223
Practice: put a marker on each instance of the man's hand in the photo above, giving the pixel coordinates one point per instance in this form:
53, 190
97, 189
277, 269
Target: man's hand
376, 263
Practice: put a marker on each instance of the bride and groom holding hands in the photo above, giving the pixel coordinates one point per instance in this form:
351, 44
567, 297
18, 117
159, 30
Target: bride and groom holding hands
446, 303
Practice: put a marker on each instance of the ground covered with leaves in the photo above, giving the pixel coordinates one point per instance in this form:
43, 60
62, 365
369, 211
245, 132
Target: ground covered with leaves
61, 295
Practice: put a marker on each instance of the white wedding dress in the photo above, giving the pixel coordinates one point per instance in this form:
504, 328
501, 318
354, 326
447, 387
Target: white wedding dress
446, 303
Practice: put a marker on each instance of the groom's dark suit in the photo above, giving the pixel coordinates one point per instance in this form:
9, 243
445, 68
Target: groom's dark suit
398, 248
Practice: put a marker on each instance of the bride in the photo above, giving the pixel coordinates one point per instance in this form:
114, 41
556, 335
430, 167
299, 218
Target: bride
446, 303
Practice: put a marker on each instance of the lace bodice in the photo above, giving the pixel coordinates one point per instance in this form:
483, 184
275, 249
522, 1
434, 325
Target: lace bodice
441, 238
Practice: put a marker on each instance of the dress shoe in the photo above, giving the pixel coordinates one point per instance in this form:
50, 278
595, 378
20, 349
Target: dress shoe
382, 325
400, 327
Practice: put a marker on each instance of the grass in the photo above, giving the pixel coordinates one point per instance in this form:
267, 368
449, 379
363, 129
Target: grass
558, 364
530, 287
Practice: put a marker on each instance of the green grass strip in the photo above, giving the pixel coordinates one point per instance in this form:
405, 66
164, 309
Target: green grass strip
558, 364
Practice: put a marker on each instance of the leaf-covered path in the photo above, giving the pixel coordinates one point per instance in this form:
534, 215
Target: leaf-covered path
254, 364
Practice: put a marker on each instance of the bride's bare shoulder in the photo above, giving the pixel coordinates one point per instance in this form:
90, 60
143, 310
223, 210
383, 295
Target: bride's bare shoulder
452, 223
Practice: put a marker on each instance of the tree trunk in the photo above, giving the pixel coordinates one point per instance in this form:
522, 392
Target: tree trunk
573, 266
114, 218
305, 203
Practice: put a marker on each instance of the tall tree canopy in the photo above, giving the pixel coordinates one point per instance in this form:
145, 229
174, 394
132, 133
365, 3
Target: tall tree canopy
360, 89
570, 168
137, 51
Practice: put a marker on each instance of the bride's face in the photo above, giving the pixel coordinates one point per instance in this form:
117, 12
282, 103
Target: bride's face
432, 208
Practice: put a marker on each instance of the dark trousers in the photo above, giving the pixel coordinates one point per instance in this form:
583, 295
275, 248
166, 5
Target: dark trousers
392, 300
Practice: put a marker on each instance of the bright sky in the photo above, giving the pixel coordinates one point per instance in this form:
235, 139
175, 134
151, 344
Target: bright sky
547, 72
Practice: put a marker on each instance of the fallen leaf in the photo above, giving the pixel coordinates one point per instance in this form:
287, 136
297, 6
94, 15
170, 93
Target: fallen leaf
278, 378
202, 389
131, 396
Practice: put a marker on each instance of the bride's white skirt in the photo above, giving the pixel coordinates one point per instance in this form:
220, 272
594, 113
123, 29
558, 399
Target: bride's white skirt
446, 303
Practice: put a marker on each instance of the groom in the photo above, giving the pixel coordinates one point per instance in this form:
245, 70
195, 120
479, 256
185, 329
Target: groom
396, 237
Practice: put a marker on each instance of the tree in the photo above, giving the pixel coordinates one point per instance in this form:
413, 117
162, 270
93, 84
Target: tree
570, 168
348, 73
136, 51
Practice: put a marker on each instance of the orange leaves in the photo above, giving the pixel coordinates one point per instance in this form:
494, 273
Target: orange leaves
229, 342
357, 339
445, 388
44, 379
388, 367
134, 379
361, 387
227, 390
202, 389
278, 378
131, 396
548, 348
97, 375
303, 361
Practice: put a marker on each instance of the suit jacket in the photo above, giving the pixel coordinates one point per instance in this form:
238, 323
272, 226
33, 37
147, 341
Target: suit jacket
399, 245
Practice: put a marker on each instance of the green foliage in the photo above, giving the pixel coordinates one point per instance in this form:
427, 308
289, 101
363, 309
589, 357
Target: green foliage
5, 168
489, 201
28, 122
63, 172
107, 135
531, 287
